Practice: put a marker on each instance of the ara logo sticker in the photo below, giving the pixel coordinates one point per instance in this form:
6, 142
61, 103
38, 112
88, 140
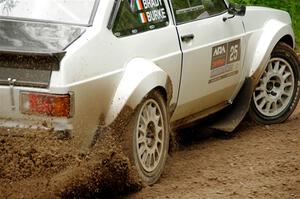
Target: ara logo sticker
219, 51
225, 60
219, 56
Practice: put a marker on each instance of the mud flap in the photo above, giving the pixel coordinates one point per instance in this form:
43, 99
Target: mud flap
236, 113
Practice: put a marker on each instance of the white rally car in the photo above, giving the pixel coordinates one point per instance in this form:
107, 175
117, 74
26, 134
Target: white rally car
142, 68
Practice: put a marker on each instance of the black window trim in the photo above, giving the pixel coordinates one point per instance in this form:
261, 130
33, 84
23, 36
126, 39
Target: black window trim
94, 12
114, 13
211, 16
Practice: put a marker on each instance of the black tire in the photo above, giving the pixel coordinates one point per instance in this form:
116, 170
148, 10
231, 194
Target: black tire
280, 90
134, 133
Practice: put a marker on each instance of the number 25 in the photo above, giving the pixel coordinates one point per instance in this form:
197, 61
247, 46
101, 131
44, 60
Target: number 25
234, 53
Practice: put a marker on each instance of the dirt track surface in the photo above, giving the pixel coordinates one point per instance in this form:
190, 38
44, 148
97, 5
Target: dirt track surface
255, 162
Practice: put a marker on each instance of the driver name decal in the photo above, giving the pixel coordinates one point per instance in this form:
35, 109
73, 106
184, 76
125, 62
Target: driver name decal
150, 11
225, 60
152, 3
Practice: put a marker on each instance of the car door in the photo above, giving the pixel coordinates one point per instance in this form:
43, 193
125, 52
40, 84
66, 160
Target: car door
213, 51
144, 29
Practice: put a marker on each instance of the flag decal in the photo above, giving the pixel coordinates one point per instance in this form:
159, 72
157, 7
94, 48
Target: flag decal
139, 4
143, 18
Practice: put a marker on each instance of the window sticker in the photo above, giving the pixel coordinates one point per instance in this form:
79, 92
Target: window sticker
137, 16
225, 60
149, 11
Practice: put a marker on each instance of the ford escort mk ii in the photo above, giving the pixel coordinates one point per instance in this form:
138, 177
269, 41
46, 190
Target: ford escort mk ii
146, 66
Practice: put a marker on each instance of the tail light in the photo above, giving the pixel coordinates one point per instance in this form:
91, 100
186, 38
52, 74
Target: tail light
46, 104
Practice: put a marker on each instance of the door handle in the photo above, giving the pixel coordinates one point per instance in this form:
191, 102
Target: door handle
187, 38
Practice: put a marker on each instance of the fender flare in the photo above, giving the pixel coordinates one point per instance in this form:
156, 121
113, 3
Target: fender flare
272, 33
140, 77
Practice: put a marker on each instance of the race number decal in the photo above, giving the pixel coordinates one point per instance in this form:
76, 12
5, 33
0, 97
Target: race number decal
225, 60
234, 51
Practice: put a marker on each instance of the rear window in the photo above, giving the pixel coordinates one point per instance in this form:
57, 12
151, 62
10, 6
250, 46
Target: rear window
62, 11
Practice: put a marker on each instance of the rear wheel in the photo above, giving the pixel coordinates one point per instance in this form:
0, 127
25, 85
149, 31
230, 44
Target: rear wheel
148, 138
277, 93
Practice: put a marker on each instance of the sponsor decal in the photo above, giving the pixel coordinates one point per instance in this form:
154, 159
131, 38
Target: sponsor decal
219, 56
225, 60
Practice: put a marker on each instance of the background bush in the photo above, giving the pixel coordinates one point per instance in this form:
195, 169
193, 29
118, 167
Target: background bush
291, 6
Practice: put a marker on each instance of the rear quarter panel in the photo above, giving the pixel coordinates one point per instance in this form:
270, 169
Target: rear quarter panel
99, 68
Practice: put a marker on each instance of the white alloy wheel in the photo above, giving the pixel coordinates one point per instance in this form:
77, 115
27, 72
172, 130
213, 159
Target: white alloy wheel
147, 137
277, 93
150, 135
275, 89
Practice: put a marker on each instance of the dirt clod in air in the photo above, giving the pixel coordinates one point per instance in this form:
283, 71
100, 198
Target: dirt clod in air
39, 164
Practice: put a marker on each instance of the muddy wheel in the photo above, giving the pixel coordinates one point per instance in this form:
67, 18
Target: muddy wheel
277, 93
148, 138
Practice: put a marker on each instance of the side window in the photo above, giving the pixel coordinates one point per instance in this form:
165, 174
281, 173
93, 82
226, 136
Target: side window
191, 10
137, 16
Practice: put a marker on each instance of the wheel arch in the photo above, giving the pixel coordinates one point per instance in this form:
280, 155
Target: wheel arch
288, 39
262, 45
140, 77
163, 92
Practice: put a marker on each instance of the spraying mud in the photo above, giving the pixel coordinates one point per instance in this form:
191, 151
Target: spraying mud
39, 164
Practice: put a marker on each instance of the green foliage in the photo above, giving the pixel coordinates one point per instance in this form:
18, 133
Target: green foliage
291, 6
